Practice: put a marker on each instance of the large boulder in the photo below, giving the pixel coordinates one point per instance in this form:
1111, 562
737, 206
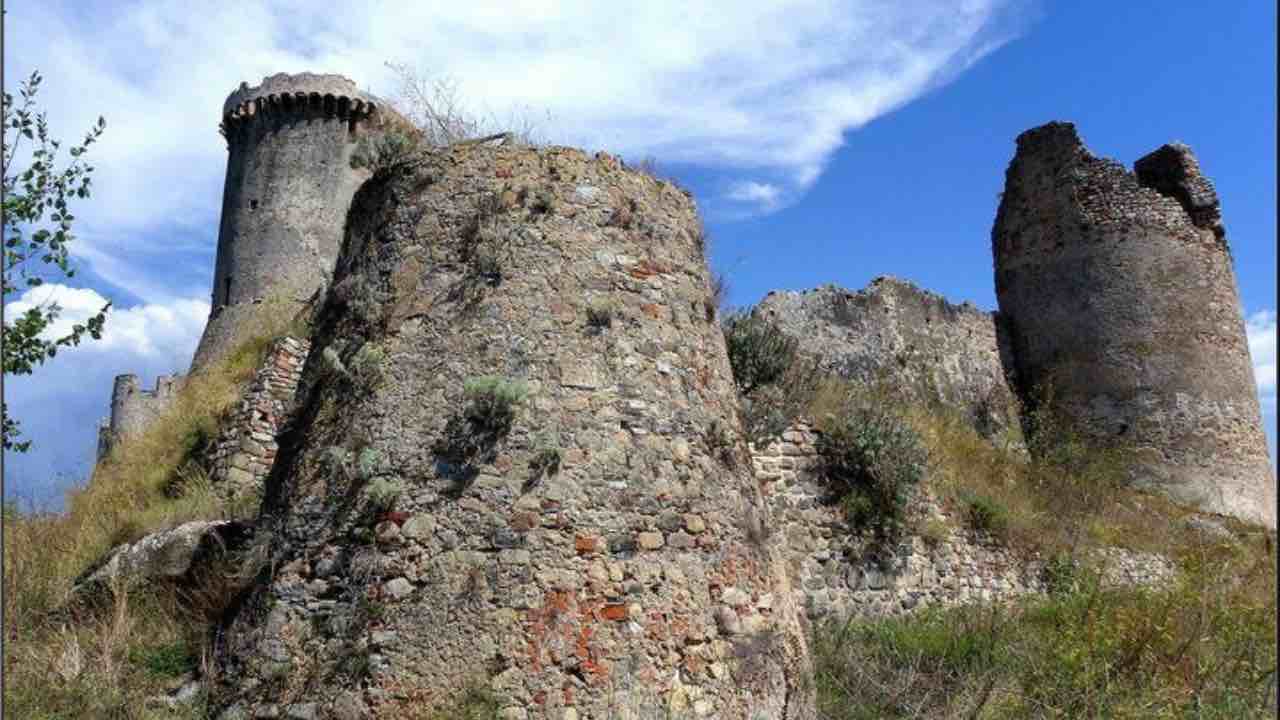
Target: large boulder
165, 556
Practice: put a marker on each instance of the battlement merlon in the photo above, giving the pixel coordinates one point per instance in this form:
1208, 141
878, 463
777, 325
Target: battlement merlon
128, 384
283, 92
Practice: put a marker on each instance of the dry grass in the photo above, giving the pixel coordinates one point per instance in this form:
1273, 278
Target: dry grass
1204, 647
96, 665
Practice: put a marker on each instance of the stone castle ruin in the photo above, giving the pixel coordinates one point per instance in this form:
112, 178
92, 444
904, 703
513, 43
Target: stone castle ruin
133, 408
1118, 292
615, 549
895, 335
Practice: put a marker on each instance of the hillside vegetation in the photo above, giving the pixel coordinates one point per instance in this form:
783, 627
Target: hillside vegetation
66, 661
1203, 647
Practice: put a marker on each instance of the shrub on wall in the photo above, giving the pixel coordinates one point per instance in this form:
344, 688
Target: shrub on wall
873, 460
759, 352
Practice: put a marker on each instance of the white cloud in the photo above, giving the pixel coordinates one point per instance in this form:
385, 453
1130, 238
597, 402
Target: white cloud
763, 195
146, 332
1261, 327
766, 87
759, 89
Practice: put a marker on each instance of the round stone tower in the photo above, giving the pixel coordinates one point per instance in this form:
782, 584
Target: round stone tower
289, 184
1119, 294
602, 551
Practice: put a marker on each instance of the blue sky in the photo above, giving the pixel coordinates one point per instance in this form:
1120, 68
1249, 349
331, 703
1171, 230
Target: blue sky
826, 142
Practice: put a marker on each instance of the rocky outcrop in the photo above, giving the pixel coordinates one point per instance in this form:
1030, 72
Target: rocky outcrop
167, 556
913, 342
603, 551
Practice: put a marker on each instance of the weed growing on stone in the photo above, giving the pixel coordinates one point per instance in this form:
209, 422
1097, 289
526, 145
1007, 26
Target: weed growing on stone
986, 514
367, 366
471, 436
600, 316
493, 402
383, 494
386, 152
333, 361
368, 463
720, 443
544, 463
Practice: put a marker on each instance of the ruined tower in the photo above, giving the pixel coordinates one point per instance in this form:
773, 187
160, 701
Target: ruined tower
602, 552
288, 186
133, 409
1119, 294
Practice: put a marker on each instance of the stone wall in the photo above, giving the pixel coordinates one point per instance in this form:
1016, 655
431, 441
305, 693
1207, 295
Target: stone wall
1119, 292
833, 579
599, 557
246, 446
912, 341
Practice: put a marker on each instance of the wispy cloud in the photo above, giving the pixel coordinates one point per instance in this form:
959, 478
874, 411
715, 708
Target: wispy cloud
768, 88
1261, 327
762, 196
759, 94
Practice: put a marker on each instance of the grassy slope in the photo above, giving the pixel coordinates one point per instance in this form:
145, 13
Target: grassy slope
1204, 648
107, 663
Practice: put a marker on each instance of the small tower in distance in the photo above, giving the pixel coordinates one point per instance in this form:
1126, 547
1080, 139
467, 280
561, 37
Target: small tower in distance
288, 186
134, 409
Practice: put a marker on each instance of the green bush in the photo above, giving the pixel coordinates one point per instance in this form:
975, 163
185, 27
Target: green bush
873, 460
367, 365
383, 494
986, 514
472, 435
385, 151
600, 316
492, 401
759, 352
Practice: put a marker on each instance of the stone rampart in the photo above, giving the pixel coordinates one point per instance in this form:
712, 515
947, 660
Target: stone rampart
910, 341
597, 557
133, 409
246, 446
835, 579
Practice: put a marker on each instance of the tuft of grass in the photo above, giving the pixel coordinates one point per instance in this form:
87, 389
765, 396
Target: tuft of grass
493, 401
986, 514
173, 659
